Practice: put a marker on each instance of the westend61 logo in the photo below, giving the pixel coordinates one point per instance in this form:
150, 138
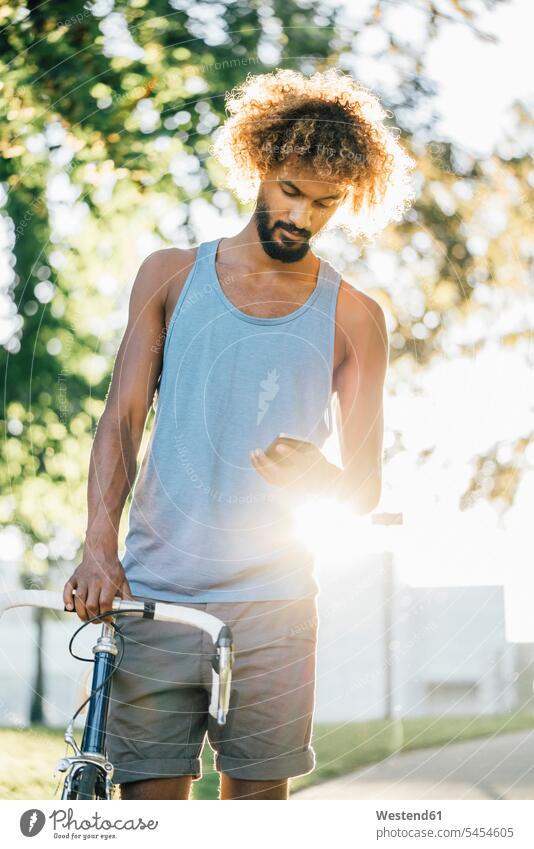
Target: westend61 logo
33, 820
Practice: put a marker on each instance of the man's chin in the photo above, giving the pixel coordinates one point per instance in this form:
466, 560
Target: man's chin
285, 253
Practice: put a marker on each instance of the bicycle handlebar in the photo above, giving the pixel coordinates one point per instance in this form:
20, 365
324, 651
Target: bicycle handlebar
160, 611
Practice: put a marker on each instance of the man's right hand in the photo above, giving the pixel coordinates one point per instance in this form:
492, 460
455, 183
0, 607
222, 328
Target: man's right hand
97, 581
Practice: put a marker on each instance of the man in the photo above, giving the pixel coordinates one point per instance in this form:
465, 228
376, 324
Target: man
241, 339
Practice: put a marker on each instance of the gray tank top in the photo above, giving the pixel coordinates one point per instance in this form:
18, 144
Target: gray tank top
204, 525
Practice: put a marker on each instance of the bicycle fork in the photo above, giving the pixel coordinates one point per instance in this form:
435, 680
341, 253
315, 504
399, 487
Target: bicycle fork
93, 747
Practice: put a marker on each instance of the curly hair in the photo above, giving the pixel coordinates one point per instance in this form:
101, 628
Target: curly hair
335, 125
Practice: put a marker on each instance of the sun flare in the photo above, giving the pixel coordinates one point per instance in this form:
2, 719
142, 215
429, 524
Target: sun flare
326, 526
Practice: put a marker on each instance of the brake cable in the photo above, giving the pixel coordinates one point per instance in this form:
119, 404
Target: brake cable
116, 665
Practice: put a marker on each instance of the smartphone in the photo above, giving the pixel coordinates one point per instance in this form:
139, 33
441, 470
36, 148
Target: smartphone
292, 441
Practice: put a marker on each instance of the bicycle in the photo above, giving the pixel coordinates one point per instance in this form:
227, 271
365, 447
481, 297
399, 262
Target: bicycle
89, 772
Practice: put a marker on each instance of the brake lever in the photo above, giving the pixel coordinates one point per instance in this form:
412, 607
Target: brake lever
222, 665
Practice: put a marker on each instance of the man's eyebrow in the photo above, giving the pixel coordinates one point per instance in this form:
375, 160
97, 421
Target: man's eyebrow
326, 197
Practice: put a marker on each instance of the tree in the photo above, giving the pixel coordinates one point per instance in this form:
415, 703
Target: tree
110, 114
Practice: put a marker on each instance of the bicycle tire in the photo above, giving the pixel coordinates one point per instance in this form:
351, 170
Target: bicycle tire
89, 783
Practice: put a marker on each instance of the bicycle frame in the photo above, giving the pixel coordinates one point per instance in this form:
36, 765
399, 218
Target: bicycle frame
93, 746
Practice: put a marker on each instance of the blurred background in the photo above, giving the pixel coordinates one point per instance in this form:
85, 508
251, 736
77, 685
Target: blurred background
108, 114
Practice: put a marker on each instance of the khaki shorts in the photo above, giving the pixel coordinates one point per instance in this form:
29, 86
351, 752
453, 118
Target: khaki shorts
158, 713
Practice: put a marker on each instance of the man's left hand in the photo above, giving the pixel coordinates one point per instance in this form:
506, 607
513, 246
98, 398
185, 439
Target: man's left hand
299, 472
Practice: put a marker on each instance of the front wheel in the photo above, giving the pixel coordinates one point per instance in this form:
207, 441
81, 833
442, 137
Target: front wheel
88, 783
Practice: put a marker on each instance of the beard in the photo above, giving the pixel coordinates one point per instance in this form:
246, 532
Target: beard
287, 250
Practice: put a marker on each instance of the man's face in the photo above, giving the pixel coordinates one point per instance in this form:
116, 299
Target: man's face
291, 207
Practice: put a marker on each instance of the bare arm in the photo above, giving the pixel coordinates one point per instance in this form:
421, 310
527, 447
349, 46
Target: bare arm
359, 383
112, 468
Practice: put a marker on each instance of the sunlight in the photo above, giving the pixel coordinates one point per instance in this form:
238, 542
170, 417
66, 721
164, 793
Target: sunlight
331, 528
325, 524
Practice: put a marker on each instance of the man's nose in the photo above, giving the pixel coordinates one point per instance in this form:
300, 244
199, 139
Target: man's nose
300, 215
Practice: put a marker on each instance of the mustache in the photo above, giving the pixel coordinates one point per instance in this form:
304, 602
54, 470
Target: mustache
305, 234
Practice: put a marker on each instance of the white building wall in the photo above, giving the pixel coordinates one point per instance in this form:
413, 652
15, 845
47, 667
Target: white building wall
447, 649
350, 674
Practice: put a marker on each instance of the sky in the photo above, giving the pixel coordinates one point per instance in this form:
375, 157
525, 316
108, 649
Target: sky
477, 80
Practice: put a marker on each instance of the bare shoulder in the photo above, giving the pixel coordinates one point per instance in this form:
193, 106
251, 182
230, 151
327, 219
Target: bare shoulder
162, 275
356, 307
173, 261
360, 317
167, 264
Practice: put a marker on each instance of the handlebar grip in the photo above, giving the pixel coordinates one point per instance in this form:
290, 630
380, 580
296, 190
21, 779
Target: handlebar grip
387, 519
114, 606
